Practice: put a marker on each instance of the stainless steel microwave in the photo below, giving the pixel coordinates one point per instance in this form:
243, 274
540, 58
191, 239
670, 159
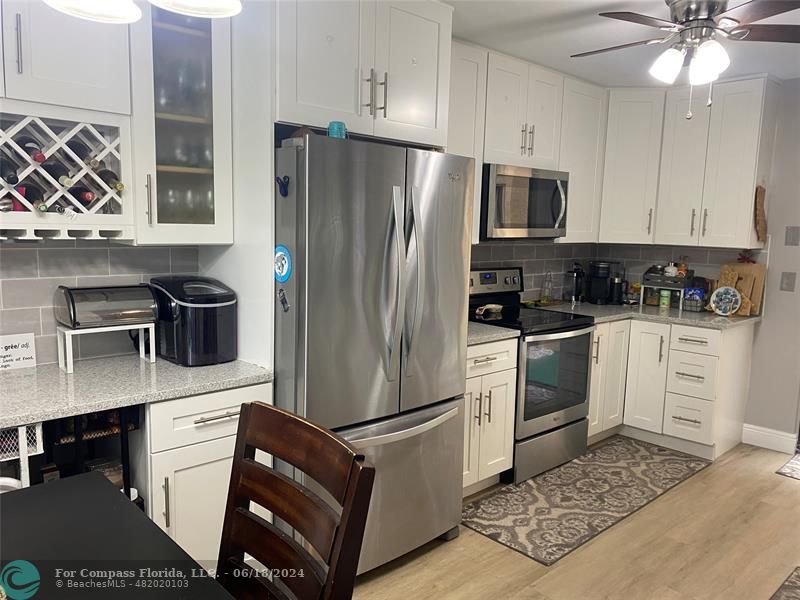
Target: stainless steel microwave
519, 202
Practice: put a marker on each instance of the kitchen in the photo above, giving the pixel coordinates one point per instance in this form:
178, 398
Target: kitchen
205, 149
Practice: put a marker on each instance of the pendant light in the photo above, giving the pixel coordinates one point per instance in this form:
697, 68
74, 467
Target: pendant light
708, 62
209, 9
668, 65
102, 11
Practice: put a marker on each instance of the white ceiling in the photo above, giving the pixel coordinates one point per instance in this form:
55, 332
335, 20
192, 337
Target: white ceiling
548, 31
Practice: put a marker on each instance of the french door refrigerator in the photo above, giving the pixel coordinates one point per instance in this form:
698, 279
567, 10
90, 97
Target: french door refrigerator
371, 269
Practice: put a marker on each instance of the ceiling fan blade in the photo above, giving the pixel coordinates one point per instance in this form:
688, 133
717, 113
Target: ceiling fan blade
633, 17
620, 47
755, 10
772, 33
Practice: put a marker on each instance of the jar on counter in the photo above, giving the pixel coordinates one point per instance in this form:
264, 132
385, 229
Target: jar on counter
664, 298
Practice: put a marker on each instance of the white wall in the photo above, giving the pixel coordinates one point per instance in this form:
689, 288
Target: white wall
247, 265
775, 375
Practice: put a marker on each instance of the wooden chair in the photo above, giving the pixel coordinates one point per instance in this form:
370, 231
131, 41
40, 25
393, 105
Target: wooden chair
329, 570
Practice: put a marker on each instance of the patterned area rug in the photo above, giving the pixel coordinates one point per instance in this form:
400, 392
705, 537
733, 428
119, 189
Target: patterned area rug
790, 589
554, 513
791, 468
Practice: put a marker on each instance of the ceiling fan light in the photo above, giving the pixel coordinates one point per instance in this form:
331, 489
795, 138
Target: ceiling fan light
668, 65
209, 9
101, 11
714, 51
708, 62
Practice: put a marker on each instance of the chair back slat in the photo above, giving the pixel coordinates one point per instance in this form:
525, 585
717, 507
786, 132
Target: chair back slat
311, 516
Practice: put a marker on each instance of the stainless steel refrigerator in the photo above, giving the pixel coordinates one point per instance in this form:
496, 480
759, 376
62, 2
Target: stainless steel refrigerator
371, 268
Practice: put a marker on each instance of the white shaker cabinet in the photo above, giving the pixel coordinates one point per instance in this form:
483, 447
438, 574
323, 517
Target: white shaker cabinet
182, 129
683, 162
609, 372
647, 375
633, 149
465, 117
506, 111
472, 414
53, 58
582, 153
544, 104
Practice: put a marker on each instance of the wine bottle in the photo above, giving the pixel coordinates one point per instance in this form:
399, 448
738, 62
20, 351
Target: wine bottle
63, 206
83, 195
58, 172
111, 179
8, 171
80, 149
31, 146
34, 195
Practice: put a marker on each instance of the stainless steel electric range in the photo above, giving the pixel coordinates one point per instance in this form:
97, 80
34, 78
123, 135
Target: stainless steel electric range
553, 371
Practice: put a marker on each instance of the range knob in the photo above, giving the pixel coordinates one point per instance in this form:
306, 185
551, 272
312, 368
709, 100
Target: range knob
507, 280
515, 279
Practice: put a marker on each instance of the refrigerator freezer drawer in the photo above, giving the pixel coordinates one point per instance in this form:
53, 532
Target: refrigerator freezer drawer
418, 470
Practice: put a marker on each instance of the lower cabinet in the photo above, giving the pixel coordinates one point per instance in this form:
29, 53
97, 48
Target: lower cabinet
647, 375
609, 372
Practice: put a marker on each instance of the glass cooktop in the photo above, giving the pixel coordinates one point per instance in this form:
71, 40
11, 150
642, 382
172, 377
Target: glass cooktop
533, 320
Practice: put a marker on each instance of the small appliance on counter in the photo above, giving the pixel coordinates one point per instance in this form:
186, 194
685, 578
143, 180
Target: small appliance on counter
573, 284
599, 287
664, 286
196, 320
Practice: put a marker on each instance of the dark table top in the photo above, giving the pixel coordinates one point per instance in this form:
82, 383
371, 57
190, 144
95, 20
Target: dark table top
87, 540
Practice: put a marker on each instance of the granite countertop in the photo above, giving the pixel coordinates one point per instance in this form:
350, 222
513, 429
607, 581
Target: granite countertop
46, 392
604, 313
481, 333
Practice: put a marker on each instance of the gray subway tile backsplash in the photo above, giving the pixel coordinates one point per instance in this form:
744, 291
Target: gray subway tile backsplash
30, 272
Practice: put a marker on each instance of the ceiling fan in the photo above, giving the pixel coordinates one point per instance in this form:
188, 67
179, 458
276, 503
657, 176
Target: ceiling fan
693, 31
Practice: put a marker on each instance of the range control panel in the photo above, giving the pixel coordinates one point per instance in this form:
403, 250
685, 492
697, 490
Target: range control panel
495, 280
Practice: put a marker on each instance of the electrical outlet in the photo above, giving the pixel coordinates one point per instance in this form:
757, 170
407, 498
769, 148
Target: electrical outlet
792, 235
788, 280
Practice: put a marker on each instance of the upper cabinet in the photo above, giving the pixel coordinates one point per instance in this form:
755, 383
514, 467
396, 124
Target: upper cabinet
381, 67
53, 58
465, 119
583, 139
633, 149
182, 129
523, 113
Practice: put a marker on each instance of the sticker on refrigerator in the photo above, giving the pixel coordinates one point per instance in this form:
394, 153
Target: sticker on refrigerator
283, 264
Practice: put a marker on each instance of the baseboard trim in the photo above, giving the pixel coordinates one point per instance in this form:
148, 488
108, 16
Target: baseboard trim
772, 439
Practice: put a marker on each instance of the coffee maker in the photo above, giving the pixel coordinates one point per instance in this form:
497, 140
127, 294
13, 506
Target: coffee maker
599, 285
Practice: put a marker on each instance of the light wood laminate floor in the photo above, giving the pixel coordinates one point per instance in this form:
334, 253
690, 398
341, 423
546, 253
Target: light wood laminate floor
731, 532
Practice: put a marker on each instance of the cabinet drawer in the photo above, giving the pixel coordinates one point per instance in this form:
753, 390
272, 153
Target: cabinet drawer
492, 357
688, 418
692, 374
185, 421
695, 339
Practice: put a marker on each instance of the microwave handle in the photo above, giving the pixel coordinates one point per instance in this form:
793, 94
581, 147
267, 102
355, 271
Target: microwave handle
563, 203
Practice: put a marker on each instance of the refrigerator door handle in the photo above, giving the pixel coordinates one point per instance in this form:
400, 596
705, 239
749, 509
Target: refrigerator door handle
418, 238
395, 341
403, 434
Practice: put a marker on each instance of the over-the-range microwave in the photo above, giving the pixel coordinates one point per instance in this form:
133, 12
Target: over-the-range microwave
520, 203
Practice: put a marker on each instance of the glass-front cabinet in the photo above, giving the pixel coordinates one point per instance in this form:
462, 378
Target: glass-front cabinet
182, 128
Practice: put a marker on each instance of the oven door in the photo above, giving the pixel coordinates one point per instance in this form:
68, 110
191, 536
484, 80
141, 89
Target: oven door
524, 203
553, 388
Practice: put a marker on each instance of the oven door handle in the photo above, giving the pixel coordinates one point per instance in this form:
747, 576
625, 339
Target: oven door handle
558, 336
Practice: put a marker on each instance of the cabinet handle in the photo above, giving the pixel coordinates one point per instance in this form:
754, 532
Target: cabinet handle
705, 221
532, 133
371, 104
524, 137
18, 30
693, 340
489, 413
686, 420
650, 221
596, 356
385, 85
481, 361
690, 375
227, 415
149, 187
166, 502
691, 227
661, 349
480, 409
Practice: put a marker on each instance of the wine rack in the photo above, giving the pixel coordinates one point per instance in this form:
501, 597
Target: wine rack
63, 174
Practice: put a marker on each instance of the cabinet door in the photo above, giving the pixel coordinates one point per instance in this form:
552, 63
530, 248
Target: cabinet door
54, 58
633, 149
472, 416
731, 161
583, 142
465, 117
544, 100
325, 53
182, 129
506, 108
683, 167
647, 375
615, 372
497, 423
596, 386
190, 488
412, 64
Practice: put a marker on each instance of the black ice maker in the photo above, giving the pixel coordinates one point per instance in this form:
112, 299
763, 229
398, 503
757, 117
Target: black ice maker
196, 320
